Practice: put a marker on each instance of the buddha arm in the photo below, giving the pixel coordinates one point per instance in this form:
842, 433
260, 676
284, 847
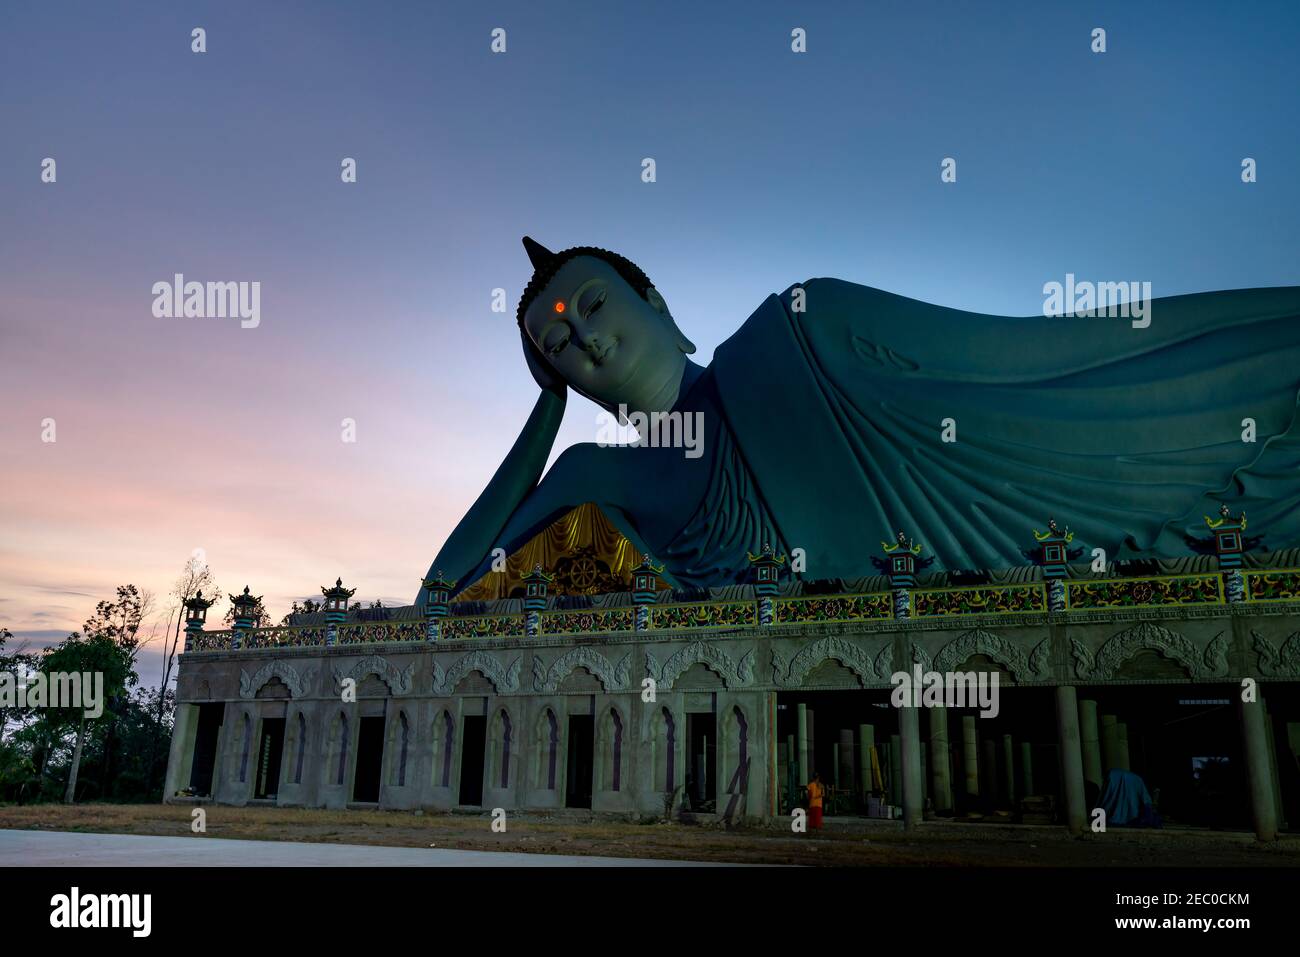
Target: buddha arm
478, 532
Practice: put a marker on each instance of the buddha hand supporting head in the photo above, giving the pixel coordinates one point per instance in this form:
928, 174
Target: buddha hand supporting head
593, 319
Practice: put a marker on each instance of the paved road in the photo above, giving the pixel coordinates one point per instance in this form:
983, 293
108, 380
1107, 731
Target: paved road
63, 848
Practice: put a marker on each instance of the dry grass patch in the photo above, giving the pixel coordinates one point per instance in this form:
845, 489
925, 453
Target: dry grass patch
861, 843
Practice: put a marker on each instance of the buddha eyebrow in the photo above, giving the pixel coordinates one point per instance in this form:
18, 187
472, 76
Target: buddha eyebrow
583, 291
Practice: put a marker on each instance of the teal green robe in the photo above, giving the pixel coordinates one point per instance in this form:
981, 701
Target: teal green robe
1129, 436
825, 431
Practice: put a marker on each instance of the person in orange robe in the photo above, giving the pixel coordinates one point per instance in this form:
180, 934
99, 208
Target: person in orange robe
815, 792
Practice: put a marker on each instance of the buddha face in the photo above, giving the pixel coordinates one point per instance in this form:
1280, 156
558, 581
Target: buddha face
605, 340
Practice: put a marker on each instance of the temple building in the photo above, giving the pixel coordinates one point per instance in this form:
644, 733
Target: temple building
575, 676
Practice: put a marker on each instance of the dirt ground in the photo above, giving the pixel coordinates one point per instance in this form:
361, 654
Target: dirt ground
844, 841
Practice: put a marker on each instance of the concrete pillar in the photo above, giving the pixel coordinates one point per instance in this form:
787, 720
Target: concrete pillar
925, 758
989, 786
1272, 767
1109, 743
1071, 757
702, 770
181, 760
882, 765
791, 768
1027, 766
1254, 733
1121, 740
940, 780
846, 759
913, 769
1090, 741
812, 744
895, 769
1054, 762
804, 776
956, 767
970, 756
1290, 752
835, 765
866, 741
1009, 768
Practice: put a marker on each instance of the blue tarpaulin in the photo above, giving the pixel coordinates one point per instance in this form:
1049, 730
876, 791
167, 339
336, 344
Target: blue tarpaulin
1125, 800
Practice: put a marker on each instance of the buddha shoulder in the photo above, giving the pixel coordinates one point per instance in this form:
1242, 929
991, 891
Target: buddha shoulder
585, 464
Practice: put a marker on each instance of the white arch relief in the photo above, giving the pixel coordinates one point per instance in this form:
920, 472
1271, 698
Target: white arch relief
611, 677
793, 673
398, 681
503, 678
296, 682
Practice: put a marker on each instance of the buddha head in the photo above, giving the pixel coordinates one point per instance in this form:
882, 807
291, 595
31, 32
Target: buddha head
592, 319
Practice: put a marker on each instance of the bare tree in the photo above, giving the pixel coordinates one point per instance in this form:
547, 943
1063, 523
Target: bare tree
195, 577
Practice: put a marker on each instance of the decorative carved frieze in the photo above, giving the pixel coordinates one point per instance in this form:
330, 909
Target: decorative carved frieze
1084, 663
1275, 662
612, 678
884, 663
806, 659
1215, 658
294, 680
398, 681
980, 642
711, 656
780, 665
1146, 636
1040, 659
503, 678
745, 670
623, 672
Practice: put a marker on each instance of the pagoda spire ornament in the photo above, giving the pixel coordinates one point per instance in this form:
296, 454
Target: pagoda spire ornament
646, 579
437, 603
1230, 547
336, 609
767, 567
900, 564
1052, 556
536, 584
246, 607
196, 613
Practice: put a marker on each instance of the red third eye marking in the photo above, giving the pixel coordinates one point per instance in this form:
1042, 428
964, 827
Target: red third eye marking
559, 307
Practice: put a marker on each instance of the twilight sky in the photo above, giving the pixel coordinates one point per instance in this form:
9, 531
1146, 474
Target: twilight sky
772, 167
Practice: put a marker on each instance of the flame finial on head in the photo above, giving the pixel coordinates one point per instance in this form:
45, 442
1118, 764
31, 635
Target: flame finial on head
538, 254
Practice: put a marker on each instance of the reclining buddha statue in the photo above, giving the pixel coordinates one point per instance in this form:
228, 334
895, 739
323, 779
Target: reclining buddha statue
838, 413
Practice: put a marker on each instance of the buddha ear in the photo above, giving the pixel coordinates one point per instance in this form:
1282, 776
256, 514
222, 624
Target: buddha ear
661, 306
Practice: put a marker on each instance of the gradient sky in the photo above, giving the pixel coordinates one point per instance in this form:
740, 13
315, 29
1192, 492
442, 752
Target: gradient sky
176, 434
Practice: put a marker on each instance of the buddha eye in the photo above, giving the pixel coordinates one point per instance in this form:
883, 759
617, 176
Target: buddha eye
596, 304
556, 345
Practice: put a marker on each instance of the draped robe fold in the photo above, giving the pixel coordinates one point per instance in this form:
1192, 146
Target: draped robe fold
1127, 435
826, 432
